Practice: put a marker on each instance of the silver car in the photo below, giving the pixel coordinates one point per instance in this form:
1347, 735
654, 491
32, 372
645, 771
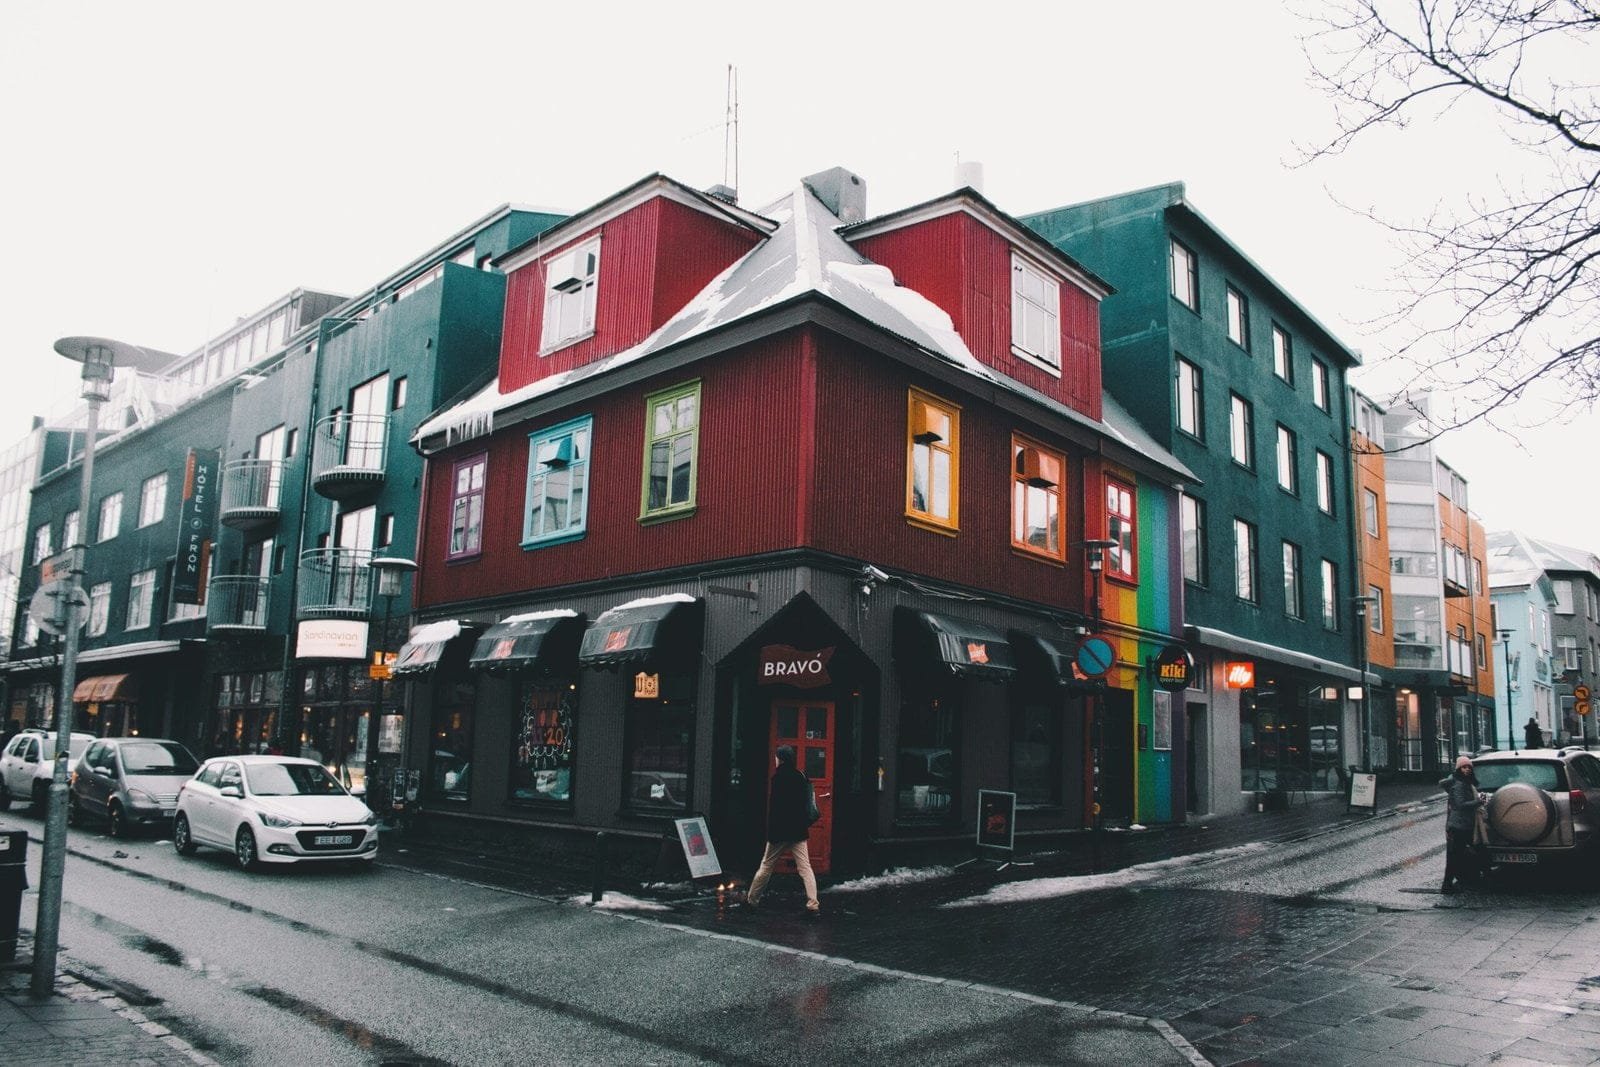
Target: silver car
1543, 808
129, 782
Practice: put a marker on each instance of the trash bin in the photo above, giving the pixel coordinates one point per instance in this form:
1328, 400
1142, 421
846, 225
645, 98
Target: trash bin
13, 880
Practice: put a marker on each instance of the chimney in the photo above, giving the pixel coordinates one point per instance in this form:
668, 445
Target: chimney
969, 174
841, 192
724, 192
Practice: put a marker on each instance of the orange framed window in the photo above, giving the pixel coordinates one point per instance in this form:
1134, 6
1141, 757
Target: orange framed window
933, 461
1121, 527
1038, 480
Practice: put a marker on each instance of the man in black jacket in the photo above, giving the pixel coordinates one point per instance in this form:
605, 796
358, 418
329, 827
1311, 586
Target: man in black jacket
1459, 824
788, 822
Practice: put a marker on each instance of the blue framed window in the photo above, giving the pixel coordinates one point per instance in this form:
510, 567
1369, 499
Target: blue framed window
558, 483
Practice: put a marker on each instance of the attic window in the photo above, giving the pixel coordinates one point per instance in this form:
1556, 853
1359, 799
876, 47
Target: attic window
570, 280
1035, 315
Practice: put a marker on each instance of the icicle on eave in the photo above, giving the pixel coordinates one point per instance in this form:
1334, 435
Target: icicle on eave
468, 426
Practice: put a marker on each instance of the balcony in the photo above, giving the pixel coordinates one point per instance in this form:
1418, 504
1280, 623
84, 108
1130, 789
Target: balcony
237, 603
335, 583
348, 454
251, 489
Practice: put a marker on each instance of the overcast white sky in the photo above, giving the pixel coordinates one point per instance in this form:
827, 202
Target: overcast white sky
171, 167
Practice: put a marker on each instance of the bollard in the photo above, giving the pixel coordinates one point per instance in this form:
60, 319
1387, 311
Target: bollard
599, 868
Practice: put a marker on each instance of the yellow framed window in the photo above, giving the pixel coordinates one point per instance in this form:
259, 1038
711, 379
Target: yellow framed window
933, 450
1038, 520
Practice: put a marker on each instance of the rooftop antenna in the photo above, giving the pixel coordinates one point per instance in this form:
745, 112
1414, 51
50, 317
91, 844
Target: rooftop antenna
730, 131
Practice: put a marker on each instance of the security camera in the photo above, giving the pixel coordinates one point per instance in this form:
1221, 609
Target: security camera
874, 574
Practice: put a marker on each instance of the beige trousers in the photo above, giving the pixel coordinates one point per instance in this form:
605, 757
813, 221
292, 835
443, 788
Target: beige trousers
802, 864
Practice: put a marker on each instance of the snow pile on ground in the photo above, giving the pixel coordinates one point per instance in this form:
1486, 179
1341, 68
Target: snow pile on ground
1144, 873
898, 876
620, 902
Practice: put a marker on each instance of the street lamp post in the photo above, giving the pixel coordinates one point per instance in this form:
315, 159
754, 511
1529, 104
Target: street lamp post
100, 358
1511, 723
391, 571
1363, 605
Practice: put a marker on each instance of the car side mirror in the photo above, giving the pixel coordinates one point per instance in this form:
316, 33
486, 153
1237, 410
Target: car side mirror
232, 791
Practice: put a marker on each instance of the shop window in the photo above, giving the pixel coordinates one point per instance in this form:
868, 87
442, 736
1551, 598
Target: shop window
247, 712
933, 450
541, 757
450, 746
1121, 528
672, 441
1038, 521
1036, 753
925, 764
558, 483
333, 721
659, 743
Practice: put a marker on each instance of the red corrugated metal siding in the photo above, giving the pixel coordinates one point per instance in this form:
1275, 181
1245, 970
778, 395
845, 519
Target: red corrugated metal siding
747, 487
694, 248
860, 506
965, 268
653, 260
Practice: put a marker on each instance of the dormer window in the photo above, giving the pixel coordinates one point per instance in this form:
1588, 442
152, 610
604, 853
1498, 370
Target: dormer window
569, 295
1035, 314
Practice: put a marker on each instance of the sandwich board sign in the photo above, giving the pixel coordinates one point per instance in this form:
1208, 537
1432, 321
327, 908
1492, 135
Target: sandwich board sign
1363, 791
697, 847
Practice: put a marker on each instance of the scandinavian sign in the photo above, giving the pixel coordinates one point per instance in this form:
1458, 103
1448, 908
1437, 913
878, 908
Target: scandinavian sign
331, 639
196, 518
1175, 668
786, 665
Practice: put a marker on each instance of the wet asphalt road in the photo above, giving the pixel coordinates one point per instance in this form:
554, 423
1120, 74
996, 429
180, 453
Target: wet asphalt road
1331, 948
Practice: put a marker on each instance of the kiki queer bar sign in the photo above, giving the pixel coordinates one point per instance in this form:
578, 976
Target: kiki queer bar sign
196, 518
784, 665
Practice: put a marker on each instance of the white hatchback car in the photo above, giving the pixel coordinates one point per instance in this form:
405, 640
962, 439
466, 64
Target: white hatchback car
272, 809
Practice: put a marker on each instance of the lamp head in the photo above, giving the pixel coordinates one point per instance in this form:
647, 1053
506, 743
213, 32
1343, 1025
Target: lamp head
391, 570
101, 356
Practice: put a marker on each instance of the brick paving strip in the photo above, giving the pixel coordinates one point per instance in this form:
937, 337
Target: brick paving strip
81, 1023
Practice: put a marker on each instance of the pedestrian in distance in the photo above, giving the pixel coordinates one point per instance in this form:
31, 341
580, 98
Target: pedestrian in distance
1532, 734
1460, 825
788, 822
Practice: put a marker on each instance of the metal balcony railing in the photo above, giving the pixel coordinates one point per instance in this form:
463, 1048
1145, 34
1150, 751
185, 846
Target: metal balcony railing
334, 582
236, 602
251, 492
348, 454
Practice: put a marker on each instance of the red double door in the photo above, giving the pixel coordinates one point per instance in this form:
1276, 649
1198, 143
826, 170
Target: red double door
808, 726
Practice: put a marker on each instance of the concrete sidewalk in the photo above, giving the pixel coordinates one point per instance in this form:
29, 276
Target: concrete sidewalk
79, 1024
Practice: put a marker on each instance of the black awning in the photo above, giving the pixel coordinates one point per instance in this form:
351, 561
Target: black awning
965, 649
1042, 660
428, 644
544, 642
663, 632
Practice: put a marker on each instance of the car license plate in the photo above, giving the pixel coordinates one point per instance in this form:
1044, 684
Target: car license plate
334, 839
1515, 857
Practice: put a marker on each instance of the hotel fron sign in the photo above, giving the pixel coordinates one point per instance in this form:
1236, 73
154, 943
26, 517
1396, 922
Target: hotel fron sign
196, 518
786, 665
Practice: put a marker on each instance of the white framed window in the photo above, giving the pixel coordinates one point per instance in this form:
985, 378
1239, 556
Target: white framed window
402, 391
110, 516
1035, 314
1375, 609
1325, 482
141, 599
1369, 511
1292, 604
1161, 720
557, 499
571, 280
1282, 354
1193, 516
1244, 560
69, 529
153, 500
1330, 595
1185, 276
1567, 654
1563, 588
1241, 431
1238, 318
1319, 385
1288, 460
1191, 400
41, 543
99, 609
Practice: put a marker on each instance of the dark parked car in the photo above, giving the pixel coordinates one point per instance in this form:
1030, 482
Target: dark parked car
1543, 808
129, 782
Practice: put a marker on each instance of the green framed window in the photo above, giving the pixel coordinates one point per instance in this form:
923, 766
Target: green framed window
671, 447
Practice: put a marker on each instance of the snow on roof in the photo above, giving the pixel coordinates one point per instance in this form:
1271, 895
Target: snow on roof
535, 616
652, 601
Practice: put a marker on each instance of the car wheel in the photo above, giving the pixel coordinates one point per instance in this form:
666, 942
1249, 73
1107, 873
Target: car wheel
74, 813
244, 849
41, 796
116, 822
182, 840
5, 798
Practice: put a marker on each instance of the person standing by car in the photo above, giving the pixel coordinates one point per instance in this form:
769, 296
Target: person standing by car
788, 822
1532, 734
1461, 822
